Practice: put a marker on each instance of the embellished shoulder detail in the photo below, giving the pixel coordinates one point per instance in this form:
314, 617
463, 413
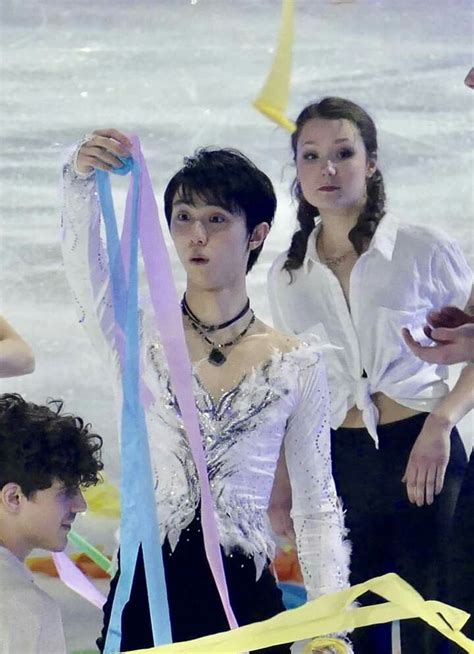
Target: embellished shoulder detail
242, 435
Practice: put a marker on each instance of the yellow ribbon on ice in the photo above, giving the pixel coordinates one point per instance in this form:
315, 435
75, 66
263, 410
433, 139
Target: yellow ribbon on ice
103, 499
331, 614
273, 98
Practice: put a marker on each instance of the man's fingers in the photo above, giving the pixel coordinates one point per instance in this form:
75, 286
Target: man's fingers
94, 163
109, 145
102, 156
116, 135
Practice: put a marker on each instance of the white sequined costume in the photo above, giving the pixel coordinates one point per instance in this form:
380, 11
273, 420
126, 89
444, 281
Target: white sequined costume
285, 399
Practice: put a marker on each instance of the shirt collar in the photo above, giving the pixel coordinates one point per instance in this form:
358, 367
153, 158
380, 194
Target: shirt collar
385, 236
15, 563
383, 241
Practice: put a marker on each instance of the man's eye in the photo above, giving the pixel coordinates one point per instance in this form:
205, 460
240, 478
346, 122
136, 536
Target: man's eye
217, 218
346, 153
181, 216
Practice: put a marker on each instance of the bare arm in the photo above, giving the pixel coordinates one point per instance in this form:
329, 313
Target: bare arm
426, 468
16, 356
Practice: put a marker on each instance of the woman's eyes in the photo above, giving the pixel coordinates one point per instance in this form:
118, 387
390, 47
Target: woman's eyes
345, 153
182, 216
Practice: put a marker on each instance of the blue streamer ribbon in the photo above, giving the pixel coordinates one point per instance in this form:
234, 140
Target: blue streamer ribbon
139, 525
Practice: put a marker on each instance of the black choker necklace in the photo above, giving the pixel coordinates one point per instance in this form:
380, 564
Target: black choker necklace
211, 328
216, 356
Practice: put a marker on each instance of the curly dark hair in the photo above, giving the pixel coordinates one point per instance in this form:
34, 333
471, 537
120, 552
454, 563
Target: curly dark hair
227, 178
39, 445
333, 108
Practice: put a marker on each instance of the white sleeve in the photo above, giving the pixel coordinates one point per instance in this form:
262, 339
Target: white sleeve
85, 261
317, 514
452, 277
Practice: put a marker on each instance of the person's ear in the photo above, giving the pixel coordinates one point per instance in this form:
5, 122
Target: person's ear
11, 497
258, 235
371, 168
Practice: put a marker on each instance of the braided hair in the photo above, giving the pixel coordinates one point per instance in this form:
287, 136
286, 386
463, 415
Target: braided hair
361, 234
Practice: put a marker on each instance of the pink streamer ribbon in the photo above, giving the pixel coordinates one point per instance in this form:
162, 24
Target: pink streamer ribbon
70, 575
169, 320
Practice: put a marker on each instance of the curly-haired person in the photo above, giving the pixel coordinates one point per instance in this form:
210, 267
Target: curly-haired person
45, 458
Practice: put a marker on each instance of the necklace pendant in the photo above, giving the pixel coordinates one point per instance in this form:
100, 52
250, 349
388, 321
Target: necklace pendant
216, 357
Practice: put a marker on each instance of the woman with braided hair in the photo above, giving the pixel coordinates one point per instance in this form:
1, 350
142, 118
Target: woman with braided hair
356, 278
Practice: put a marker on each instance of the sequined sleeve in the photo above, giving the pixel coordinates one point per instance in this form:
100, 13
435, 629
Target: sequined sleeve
317, 515
85, 261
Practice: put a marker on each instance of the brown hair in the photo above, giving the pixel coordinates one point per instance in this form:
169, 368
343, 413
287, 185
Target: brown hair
332, 108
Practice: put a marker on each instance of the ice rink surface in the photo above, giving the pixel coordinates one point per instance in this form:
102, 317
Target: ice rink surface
182, 74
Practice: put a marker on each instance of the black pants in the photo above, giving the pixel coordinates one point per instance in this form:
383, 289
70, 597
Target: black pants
462, 550
194, 603
389, 534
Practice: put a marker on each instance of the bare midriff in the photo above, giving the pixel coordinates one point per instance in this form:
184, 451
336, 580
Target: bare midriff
389, 411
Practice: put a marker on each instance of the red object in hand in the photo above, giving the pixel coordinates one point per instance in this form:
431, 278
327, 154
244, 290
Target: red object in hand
447, 317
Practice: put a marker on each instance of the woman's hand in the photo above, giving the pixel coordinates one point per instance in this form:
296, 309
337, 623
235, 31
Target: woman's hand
102, 151
454, 345
452, 331
429, 457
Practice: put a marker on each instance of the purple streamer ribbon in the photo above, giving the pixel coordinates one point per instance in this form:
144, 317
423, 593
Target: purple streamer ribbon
75, 579
169, 321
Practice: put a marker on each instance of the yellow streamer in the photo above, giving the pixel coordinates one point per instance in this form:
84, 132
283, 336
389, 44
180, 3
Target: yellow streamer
337, 645
273, 98
103, 499
331, 614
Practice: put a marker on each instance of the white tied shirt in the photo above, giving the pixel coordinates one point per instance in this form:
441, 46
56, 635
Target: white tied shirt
407, 271
30, 620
